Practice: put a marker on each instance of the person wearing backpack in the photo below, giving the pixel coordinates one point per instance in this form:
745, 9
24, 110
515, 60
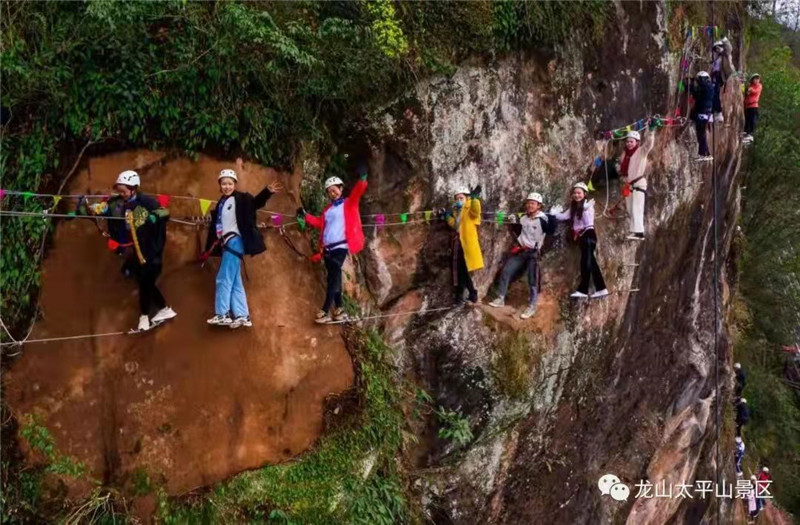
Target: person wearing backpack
140, 238
532, 228
232, 233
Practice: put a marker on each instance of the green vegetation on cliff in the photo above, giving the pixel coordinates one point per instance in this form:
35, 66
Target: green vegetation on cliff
769, 312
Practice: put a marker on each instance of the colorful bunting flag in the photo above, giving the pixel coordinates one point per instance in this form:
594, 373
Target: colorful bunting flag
301, 224
501, 215
277, 220
598, 161
590, 186
380, 219
56, 200
680, 86
204, 205
404, 218
26, 195
428, 214
112, 245
2, 194
163, 200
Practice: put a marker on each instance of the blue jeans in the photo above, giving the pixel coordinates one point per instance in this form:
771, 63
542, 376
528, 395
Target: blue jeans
230, 288
528, 259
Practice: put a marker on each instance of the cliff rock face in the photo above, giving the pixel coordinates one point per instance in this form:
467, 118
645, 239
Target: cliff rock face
624, 385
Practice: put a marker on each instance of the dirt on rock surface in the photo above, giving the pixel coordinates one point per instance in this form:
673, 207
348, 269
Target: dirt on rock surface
187, 403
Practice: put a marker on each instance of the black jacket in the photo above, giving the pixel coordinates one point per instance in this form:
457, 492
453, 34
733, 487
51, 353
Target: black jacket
741, 378
151, 235
246, 206
703, 93
742, 414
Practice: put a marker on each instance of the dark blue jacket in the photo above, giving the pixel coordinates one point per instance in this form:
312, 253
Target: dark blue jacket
703, 93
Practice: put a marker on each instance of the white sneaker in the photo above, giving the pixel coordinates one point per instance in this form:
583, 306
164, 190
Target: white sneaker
578, 295
529, 312
323, 317
498, 303
144, 323
164, 314
706, 158
241, 321
220, 320
600, 293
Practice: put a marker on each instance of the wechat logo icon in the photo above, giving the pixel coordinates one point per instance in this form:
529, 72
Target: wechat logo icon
610, 485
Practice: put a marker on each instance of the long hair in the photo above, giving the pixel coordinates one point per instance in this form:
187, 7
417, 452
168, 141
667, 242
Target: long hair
576, 209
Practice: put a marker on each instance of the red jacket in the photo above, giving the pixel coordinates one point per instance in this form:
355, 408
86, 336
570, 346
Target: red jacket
752, 95
352, 221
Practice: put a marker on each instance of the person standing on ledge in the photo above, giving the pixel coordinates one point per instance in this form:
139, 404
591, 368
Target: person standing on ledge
702, 91
464, 218
533, 226
631, 169
752, 94
580, 214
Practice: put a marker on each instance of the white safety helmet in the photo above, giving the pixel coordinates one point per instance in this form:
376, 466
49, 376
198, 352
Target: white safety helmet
533, 196
737, 366
703, 74
461, 189
227, 174
718, 43
333, 181
128, 178
765, 469
737, 439
754, 75
743, 400
582, 186
633, 135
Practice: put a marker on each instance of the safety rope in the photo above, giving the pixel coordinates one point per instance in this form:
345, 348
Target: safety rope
66, 338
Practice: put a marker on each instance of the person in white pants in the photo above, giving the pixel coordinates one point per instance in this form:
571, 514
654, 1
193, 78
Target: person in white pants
631, 169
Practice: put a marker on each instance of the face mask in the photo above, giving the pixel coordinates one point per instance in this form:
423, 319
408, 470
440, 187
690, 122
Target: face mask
459, 204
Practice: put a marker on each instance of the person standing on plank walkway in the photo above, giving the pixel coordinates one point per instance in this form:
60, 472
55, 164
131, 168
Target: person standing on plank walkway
721, 69
232, 233
631, 169
533, 226
140, 238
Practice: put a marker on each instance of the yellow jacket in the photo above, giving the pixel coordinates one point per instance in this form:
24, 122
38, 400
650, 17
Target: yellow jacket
469, 219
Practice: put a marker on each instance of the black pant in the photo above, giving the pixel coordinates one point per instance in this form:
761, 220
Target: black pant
461, 278
589, 267
717, 79
150, 298
700, 127
334, 259
750, 119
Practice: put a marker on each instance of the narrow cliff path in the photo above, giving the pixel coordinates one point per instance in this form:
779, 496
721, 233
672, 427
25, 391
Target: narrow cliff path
187, 403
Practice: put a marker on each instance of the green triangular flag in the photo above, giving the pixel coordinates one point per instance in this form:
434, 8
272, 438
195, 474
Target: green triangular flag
404, 218
590, 186
680, 86
56, 200
26, 195
501, 217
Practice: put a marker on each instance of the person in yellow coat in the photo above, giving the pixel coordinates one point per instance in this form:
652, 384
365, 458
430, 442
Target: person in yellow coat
467, 257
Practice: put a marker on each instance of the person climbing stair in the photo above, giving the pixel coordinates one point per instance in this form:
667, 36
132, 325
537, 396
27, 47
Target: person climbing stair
580, 213
340, 223
140, 238
532, 226
464, 218
232, 233
752, 95
703, 93
632, 168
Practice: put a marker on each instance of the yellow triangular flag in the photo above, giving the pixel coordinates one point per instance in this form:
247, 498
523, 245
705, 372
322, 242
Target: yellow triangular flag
56, 200
591, 188
204, 205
